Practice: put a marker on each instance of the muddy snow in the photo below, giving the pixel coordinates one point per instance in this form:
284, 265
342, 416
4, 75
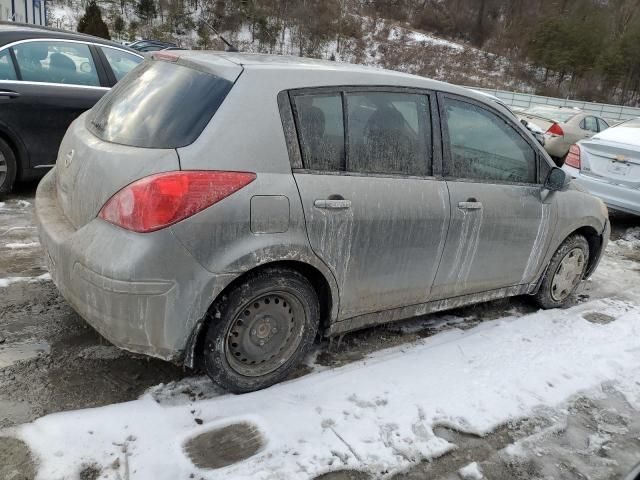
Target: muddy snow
499, 390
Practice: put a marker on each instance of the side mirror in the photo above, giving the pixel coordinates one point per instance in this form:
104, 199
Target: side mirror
557, 180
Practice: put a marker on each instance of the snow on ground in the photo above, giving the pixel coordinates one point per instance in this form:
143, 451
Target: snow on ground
471, 472
5, 282
377, 414
397, 33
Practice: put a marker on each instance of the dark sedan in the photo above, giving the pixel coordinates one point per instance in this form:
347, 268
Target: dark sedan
47, 78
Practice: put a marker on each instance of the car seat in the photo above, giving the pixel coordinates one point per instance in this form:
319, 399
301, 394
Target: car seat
62, 68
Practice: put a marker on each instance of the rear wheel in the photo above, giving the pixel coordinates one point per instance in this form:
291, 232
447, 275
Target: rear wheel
566, 270
261, 330
8, 167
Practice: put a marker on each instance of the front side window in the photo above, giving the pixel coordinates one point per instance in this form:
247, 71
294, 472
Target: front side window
120, 62
56, 62
602, 125
389, 133
321, 131
7, 72
485, 147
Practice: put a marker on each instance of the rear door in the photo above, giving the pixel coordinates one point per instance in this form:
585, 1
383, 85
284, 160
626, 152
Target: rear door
375, 213
57, 81
499, 223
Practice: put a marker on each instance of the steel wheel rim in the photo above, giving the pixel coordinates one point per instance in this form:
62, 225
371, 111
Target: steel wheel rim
567, 275
265, 333
4, 168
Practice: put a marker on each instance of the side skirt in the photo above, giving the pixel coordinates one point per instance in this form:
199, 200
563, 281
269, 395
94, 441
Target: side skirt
402, 313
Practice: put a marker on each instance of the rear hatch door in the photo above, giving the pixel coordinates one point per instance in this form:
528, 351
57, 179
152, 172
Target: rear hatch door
135, 129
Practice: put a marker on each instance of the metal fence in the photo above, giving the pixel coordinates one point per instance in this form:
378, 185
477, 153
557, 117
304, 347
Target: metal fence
516, 100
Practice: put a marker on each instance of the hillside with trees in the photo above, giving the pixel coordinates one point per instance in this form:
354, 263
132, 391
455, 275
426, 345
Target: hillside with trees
583, 49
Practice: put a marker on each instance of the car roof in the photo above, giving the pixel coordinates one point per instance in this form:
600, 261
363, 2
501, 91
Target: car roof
13, 32
298, 72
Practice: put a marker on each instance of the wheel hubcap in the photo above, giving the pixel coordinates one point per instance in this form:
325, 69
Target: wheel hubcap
265, 333
567, 275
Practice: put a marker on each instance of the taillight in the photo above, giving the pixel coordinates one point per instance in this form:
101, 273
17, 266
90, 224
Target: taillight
555, 129
573, 157
160, 200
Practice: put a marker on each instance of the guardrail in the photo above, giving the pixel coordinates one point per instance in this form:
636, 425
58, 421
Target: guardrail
516, 100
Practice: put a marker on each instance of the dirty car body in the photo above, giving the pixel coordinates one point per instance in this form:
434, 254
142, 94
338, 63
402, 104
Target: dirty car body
358, 196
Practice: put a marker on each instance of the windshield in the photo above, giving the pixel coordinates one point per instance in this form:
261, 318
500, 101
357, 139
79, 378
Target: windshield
551, 113
158, 105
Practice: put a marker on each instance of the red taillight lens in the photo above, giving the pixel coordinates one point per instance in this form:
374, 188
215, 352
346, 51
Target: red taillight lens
158, 201
555, 129
573, 157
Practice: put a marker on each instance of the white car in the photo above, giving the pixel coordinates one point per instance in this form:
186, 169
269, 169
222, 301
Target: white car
608, 166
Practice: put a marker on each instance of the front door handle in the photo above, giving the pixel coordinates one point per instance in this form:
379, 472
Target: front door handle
470, 205
9, 94
331, 204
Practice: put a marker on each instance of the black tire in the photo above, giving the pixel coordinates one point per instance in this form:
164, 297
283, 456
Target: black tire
262, 329
8, 167
555, 291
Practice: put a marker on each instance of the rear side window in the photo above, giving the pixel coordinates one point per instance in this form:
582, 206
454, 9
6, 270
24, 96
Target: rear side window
160, 105
321, 131
56, 62
386, 133
7, 72
484, 147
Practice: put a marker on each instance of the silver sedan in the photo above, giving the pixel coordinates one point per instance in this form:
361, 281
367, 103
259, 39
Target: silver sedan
608, 166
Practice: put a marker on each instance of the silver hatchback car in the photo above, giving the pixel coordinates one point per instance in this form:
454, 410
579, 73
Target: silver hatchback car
226, 208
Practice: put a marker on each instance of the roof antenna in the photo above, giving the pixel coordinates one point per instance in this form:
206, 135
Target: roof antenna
230, 47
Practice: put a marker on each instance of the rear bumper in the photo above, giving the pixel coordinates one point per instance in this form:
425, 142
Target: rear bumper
143, 292
616, 197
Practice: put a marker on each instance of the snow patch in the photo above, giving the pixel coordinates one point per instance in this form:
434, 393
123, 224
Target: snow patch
471, 472
5, 282
20, 245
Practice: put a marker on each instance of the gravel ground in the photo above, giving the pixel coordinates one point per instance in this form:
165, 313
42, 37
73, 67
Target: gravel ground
51, 361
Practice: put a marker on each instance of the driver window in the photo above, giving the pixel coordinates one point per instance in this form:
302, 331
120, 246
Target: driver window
389, 133
56, 62
484, 147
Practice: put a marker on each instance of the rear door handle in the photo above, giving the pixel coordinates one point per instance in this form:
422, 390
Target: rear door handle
332, 204
469, 205
9, 94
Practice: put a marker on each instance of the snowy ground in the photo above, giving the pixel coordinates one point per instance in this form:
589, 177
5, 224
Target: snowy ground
500, 390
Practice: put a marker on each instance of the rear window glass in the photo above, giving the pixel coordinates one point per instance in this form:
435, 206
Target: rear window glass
159, 105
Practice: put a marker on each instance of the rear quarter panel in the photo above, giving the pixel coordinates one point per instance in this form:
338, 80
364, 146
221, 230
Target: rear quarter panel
246, 134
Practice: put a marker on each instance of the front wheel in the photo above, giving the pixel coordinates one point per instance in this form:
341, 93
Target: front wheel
261, 330
566, 270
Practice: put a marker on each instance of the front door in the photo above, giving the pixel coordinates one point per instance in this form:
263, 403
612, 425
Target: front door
56, 82
500, 224
375, 214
